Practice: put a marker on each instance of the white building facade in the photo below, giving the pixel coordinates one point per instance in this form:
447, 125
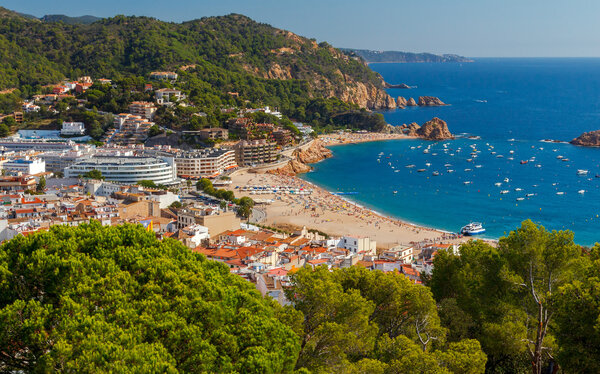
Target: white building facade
128, 170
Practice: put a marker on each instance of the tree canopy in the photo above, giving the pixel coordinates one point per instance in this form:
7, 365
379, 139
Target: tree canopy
100, 299
507, 297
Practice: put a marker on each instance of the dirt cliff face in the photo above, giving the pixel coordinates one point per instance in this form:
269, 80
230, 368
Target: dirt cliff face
436, 129
588, 139
301, 158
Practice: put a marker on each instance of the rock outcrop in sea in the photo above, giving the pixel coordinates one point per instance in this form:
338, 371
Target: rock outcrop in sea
588, 139
430, 101
401, 102
301, 158
401, 85
411, 102
435, 129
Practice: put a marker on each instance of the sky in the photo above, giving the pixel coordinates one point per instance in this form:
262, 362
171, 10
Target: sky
473, 28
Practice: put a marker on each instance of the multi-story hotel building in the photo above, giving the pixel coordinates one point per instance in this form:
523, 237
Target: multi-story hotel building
128, 170
205, 163
255, 152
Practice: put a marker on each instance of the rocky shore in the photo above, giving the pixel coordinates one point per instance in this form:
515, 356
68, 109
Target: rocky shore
588, 139
301, 158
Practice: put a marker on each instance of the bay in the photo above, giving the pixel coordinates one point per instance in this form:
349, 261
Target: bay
511, 104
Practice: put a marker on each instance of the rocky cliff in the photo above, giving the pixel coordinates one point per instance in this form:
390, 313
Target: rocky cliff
435, 129
588, 139
430, 101
301, 158
411, 102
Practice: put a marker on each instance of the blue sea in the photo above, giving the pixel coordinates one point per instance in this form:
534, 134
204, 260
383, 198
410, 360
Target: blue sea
512, 105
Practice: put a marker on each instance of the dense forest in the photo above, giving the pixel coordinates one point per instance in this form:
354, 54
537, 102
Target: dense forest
116, 299
214, 56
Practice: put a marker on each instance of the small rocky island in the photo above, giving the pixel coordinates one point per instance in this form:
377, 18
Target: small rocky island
588, 139
435, 129
402, 102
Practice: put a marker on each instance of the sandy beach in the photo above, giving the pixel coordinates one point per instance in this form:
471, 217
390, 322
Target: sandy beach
330, 213
353, 138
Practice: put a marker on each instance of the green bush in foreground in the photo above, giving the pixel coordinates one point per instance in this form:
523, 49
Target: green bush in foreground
100, 299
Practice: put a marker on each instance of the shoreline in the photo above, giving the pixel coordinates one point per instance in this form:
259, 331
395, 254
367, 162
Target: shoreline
334, 214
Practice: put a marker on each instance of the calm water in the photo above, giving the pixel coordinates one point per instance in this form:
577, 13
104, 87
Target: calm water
511, 104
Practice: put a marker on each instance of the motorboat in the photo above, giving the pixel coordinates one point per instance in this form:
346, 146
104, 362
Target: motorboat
520, 198
581, 192
421, 170
582, 172
560, 193
530, 195
435, 173
506, 180
523, 162
503, 192
473, 228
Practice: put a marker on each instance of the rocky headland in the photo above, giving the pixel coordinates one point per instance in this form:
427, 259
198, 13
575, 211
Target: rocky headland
401, 85
301, 158
588, 139
430, 101
435, 129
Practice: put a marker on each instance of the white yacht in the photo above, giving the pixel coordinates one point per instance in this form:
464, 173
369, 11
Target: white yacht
473, 228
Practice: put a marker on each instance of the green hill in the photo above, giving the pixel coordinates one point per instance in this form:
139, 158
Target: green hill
227, 54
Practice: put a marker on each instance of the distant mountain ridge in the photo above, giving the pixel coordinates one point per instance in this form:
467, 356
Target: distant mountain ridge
81, 20
397, 56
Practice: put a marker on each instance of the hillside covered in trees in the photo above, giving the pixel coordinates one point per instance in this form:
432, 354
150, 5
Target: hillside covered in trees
222, 54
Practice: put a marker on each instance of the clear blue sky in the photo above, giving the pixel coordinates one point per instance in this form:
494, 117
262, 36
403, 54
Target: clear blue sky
476, 28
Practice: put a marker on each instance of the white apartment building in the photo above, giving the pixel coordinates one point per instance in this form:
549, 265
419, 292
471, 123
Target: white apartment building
166, 95
128, 170
143, 109
25, 165
210, 162
72, 128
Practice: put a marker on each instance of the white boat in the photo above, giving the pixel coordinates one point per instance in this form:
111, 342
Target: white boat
450, 171
395, 192
581, 192
498, 184
427, 164
506, 180
518, 189
582, 172
520, 198
530, 194
503, 192
436, 173
467, 182
468, 169
560, 193
410, 166
478, 166
473, 228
